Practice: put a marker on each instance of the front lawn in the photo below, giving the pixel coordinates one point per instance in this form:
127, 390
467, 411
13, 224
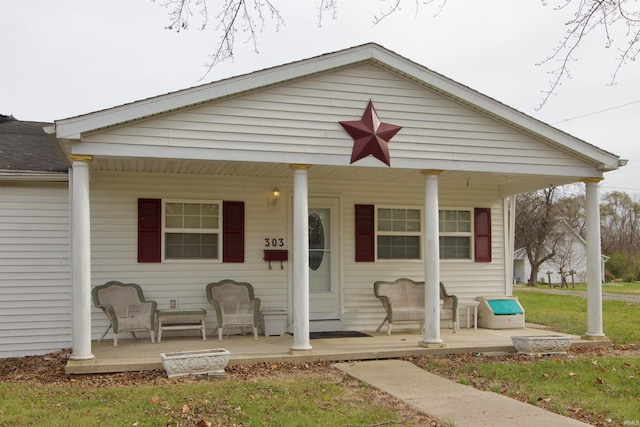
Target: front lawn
598, 385
568, 314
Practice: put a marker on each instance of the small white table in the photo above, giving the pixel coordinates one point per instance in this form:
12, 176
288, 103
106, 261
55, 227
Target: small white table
172, 320
468, 305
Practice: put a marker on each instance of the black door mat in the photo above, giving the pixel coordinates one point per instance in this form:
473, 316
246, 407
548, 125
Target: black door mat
337, 334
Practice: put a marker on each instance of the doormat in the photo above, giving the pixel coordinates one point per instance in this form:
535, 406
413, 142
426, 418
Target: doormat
337, 334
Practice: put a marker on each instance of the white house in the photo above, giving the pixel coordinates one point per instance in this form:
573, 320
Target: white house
570, 260
410, 174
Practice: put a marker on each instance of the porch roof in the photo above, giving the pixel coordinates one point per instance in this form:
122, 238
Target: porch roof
136, 355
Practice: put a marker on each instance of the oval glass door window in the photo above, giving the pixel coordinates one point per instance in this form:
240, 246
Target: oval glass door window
316, 241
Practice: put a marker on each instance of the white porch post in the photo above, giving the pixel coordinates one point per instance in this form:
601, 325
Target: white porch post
80, 259
300, 258
594, 260
431, 261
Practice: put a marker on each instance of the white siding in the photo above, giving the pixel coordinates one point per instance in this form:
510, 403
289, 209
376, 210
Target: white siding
114, 239
297, 122
35, 294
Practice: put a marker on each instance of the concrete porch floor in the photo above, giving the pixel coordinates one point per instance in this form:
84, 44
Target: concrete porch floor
140, 355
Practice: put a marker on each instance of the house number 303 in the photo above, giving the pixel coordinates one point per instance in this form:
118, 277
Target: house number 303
273, 242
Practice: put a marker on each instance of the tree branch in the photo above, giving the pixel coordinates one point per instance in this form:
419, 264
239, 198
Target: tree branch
590, 15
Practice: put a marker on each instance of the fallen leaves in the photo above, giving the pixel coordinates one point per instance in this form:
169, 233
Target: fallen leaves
49, 369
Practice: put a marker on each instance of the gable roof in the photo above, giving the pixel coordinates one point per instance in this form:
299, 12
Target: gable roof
25, 149
74, 128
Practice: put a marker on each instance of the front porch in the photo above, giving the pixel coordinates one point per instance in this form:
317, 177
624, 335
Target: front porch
138, 355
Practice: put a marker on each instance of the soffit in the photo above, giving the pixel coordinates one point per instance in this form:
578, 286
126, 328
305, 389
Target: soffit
504, 183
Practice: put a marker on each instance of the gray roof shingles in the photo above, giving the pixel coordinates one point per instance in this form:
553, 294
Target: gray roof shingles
26, 148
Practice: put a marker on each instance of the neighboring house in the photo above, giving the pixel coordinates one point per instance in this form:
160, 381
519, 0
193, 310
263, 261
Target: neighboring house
174, 192
571, 257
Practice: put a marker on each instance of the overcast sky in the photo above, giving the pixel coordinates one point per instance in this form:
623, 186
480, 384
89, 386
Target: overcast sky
62, 58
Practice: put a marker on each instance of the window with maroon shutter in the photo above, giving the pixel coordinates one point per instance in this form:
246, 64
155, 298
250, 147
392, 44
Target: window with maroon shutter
232, 231
482, 234
149, 230
365, 233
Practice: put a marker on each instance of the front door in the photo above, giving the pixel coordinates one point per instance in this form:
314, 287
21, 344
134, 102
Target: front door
324, 263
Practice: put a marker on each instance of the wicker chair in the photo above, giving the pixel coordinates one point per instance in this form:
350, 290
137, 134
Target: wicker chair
125, 307
235, 305
403, 301
449, 308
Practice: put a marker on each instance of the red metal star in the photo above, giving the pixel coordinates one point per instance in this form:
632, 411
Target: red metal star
370, 136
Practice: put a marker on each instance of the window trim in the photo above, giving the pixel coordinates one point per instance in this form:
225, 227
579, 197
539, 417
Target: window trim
378, 233
219, 231
470, 234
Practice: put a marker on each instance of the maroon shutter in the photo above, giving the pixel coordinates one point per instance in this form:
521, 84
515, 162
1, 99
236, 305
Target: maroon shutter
232, 231
482, 234
149, 230
365, 233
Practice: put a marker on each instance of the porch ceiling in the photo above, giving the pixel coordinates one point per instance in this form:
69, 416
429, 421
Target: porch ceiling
507, 183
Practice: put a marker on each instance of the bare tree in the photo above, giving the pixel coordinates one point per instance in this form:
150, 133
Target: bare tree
233, 17
536, 231
620, 218
249, 17
609, 17
573, 212
568, 258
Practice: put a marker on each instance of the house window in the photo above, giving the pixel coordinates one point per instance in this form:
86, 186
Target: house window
395, 233
192, 230
398, 233
455, 234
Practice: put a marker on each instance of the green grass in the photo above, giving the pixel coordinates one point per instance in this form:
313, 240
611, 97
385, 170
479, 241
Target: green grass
568, 314
261, 403
622, 288
602, 385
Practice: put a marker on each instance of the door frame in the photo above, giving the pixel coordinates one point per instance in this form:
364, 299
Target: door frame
329, 324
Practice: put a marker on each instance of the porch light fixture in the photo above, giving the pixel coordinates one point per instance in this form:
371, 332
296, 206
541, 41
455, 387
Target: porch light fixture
274, 197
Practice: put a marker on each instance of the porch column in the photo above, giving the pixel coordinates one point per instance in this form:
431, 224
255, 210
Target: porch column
300, 258
80, 259
594, 260
431, 261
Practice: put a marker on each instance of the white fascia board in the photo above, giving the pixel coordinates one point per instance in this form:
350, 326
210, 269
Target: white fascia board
33, 176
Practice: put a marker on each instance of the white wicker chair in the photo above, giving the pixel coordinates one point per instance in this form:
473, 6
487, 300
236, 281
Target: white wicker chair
235, 305
403, 301
125, 307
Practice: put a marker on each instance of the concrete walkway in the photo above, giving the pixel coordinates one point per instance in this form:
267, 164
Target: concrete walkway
452, 403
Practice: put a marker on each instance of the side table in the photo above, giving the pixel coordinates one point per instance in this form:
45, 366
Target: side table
468, 305
173, 319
